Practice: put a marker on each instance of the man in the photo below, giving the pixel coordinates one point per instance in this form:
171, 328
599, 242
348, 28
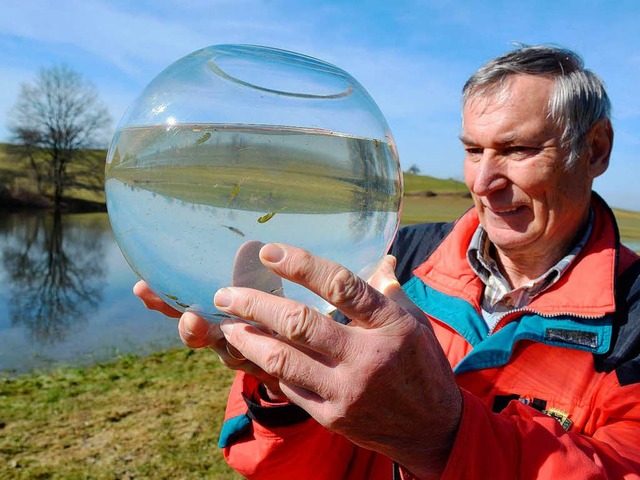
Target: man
512, 349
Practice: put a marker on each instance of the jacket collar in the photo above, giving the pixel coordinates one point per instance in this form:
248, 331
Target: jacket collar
585, 290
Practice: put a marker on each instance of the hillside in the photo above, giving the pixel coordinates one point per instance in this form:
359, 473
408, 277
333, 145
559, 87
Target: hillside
424, 185
426, 198
18, 188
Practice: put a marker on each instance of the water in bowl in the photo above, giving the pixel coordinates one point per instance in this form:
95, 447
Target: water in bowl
185, 199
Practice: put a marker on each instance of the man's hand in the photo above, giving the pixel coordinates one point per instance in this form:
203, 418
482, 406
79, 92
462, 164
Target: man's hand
196, 332
382, 381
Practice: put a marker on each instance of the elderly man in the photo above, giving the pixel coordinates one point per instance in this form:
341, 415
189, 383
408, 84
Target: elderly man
512, 348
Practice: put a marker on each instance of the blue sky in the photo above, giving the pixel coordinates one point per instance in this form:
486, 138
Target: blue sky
412, 56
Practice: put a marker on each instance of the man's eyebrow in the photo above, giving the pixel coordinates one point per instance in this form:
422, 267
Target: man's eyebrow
511, 138
507, 139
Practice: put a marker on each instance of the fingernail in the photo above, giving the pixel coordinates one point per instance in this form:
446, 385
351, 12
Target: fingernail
272, 253
222, 298
184, 322
226, 326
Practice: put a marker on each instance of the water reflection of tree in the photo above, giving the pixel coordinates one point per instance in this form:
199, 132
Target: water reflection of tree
56, 276
378, 191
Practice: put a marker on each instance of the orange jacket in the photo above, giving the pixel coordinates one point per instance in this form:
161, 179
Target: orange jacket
553, 392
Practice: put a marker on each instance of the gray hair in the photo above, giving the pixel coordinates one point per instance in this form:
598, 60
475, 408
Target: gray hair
579, 99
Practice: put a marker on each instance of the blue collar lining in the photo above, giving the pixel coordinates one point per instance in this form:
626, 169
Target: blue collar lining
591, 335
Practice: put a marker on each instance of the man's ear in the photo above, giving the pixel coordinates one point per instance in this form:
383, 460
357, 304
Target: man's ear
599, 145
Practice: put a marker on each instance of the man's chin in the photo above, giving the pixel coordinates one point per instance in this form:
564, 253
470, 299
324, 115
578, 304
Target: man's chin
508, 240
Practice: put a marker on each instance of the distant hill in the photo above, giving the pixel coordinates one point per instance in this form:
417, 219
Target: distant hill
17, 188
450, 198
424, 185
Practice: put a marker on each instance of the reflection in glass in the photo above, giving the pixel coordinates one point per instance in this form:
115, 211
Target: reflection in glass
184, 201
268, 145
55, 274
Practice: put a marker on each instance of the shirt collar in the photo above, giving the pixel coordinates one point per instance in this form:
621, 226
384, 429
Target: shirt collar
480, 258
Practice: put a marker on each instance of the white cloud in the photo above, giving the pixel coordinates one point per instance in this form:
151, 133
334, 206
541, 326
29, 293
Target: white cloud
123, 39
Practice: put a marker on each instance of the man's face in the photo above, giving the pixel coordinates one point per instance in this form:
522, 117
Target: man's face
529, 203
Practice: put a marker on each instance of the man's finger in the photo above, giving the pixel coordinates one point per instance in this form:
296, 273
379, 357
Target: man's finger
196, 332
152, 301
384, 280
292, 321
346, 291
279, 359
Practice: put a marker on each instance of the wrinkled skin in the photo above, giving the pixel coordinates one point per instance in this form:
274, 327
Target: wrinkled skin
349, 378
531, 204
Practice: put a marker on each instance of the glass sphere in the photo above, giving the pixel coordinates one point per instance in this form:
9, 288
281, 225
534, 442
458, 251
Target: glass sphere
235, 146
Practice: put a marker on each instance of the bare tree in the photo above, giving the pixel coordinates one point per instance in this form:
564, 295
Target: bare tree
57, 118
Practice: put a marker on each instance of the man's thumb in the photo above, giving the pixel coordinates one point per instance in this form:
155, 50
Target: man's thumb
384, 280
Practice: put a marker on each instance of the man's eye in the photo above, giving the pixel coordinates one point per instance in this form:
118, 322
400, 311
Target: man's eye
473, 150
520, 150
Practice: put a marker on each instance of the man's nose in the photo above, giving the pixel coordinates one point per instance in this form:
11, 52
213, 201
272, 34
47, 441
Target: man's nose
490, 174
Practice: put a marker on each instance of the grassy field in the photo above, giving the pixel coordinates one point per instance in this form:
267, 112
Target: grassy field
17, 180
426, 198
155, 417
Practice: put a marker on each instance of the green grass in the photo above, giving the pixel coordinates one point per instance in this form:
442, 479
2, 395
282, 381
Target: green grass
248, 189
629, 224
16, 176
155, 417
415, 184
433, 209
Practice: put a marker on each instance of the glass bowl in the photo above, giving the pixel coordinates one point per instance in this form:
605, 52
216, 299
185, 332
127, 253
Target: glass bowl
235, 146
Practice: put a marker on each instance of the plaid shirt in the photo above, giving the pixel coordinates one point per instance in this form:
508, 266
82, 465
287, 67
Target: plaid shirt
499, 297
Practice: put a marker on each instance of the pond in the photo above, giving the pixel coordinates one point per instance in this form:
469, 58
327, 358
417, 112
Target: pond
66, 295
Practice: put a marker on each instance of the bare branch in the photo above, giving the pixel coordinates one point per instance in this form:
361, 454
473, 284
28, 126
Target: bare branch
60, 115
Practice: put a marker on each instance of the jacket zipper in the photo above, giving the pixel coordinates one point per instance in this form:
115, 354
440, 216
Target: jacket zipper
512, 313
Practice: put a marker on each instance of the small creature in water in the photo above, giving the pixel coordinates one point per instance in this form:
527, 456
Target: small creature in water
183, 305
267, 217
234, 230
171, 297
206, 136
234, 192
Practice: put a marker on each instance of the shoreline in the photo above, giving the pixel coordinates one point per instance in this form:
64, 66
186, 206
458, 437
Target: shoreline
36, 202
